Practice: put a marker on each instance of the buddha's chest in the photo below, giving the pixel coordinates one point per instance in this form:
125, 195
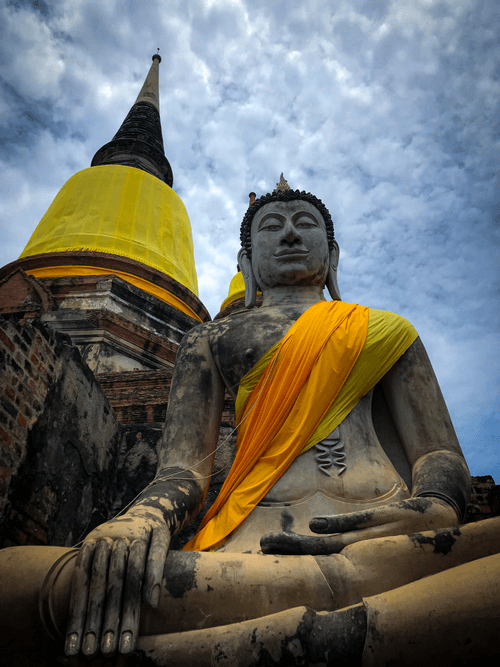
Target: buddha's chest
239, 343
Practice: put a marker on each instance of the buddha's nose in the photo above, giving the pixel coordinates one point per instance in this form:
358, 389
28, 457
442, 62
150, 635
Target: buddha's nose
290, 234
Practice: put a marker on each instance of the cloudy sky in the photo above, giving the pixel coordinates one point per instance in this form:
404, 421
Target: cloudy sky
386, 110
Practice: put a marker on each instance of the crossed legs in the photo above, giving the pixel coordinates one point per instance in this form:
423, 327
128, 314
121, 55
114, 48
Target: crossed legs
224, 591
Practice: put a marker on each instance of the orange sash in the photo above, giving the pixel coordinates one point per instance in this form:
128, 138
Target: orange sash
307, 371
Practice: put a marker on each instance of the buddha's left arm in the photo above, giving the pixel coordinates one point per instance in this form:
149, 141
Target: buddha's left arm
424, 426
440, 477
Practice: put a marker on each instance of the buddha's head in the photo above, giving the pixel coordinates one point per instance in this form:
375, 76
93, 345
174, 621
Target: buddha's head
287, 239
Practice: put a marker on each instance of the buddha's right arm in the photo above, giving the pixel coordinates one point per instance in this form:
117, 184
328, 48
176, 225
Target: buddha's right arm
121, 563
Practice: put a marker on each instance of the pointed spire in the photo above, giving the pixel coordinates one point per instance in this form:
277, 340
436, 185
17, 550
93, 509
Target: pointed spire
150, 91
139, 141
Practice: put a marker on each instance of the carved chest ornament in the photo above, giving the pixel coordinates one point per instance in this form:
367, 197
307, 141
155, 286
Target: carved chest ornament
330, 454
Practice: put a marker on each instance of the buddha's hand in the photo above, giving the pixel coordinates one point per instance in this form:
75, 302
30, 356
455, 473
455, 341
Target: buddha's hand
402, 518
119, 566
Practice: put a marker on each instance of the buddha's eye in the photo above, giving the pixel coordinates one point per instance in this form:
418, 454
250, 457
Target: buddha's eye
271, 225
305, 223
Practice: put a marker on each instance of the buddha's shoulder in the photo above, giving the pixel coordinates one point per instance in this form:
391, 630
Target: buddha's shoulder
239, 337
244, 323
221, 327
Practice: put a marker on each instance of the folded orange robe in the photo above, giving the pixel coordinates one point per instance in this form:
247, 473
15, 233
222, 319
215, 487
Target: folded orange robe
293, 401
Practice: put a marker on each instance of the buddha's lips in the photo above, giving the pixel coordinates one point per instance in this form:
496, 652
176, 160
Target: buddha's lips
287, 252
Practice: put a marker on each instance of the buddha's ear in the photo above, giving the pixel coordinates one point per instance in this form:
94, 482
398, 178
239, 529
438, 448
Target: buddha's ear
331, 278
250, 283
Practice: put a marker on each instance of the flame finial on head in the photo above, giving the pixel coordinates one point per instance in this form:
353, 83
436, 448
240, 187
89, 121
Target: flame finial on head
282, 185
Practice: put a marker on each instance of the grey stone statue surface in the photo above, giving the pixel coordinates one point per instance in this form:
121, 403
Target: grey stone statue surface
317, 560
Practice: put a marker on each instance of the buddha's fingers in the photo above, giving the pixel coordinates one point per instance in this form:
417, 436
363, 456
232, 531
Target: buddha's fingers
116, 582
301, 545
157, 554
132, 596
354, 521
79, 597
96, 597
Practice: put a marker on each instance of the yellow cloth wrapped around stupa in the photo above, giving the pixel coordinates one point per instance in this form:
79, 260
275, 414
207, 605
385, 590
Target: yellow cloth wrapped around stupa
122, 211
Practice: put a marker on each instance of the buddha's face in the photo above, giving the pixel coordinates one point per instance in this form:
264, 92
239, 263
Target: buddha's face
289, 245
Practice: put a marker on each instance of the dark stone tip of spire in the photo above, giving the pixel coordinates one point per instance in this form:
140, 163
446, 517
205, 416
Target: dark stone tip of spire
139, 142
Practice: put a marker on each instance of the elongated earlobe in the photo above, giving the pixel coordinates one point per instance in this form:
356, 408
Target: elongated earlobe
250, 283
331, 278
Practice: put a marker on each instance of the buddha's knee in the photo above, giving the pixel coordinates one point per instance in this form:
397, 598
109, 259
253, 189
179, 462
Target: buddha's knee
35, 590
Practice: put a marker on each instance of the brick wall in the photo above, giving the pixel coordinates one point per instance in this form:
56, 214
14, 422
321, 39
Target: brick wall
141, 397
138, 397
484, 499
28, 354
59, 439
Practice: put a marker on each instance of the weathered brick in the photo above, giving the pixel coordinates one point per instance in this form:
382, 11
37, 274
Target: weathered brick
42, 387
16, 367
5, 437
18, 356
10, 393
6, 341
21, 420
20, 344
10, 424
26, 410
32, 369
8, 407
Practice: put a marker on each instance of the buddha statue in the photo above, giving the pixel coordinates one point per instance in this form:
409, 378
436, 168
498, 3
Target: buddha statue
317, 541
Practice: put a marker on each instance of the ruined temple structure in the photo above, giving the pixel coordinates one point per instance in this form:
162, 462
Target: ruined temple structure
91, 316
